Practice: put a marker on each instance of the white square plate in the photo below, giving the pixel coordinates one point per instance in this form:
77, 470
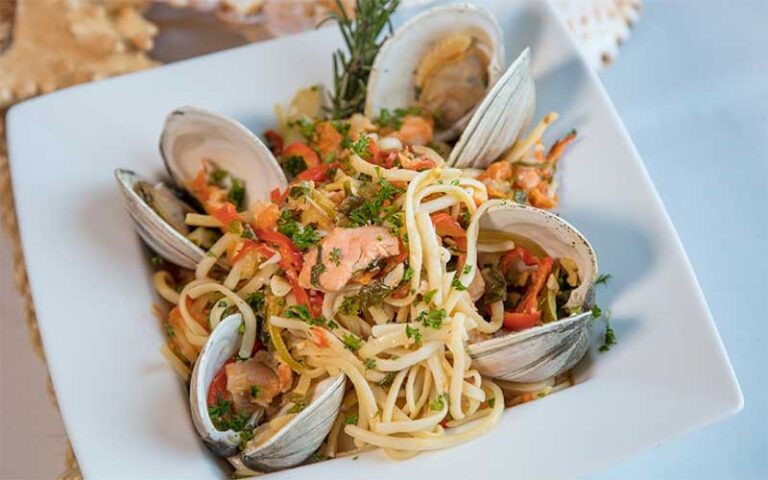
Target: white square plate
126, 413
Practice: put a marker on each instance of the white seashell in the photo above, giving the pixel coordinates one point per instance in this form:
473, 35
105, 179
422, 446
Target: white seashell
392, 81
192, 135
295, 441
599, 26
541, 352
160, 235
499, 119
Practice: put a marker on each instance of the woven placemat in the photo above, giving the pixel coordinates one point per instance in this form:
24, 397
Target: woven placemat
85, 40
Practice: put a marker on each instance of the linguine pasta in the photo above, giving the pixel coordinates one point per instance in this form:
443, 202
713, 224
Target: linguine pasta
371, 263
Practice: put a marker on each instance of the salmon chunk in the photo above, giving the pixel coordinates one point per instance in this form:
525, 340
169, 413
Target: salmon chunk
343, 253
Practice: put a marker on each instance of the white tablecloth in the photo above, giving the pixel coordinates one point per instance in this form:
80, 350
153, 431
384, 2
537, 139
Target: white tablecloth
692, 87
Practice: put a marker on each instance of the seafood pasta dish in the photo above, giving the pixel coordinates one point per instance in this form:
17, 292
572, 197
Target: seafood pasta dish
379, 269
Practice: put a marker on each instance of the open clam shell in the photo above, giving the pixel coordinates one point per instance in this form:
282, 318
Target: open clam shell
192, 135
500, 119
440, 49
159, 218
302, 436
293, 443
538, 353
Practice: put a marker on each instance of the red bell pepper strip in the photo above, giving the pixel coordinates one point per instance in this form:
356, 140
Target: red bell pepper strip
529, 302
277, 197
520, 321
218, 390
290, 255
298, 149
316, 303
261, 248
227, 214
447, 226
302, 297
316, 174
515, 253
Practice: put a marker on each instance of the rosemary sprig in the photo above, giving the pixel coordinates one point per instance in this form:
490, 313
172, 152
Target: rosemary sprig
361, 37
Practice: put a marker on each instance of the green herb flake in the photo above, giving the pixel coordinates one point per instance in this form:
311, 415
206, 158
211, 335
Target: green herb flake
458, 285
467, 269
370, 364
492, 402
432, 318
352, 342
294, 165
303, 236
602, 279
237, 193
427, 297
298, 406
439, 402
609, 338
255, 389
350, 419
336, 256
156, 260
408, 274
414, 333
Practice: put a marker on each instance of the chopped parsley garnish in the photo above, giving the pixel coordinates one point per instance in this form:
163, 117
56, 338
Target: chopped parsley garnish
256, 301
336, 256
609, 337
305, 127
217, 177
370, 364
303, 236
387, 380
467, 269
169, 330
427, 297
350, 306
332, 325
255, 391
301, 312
247, 232
352, 342
298, 406
371, 211
414, 333
394, 120
361, 147
439, 402
602, 279
224, 417
299, 191
458, 285
408, 274
156, 260
237, 193
294, 165
350, 419
432, 318
492, 402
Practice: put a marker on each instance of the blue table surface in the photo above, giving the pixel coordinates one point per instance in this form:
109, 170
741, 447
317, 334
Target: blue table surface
691, 86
